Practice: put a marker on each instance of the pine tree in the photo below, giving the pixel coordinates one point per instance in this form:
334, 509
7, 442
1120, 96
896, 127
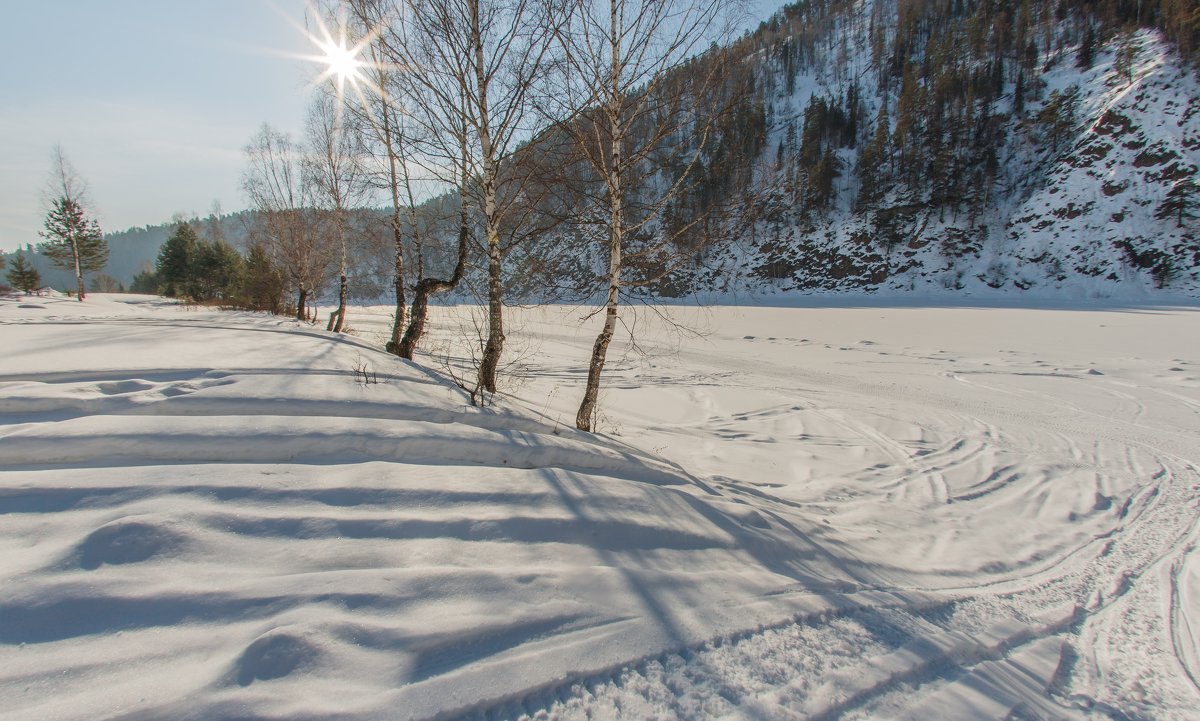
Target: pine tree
146, 282
1182, 202
176, 261
1126, 53
261, 284
871, 164
73, 241
23, 276
1087, 50
820, 181
909, 110
215, 271
1057, 117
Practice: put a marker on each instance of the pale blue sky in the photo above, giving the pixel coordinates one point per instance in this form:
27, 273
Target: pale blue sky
152, 100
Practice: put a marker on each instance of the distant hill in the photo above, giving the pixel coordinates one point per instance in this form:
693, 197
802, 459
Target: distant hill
134, 250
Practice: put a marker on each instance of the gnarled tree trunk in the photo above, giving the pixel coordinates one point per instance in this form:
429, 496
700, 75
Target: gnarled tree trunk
428, 286
301, 301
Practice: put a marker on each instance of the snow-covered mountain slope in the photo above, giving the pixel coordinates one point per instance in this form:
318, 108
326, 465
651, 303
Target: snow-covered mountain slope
1098, 212
904, 155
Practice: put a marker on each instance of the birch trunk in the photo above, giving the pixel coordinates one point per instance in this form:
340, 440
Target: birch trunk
428, 286
393, 346
78, 270
338, 320
494, 346
591, 392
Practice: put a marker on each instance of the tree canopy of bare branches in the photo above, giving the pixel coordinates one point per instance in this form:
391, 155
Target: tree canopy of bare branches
274, 181
333, 169
632, 118
471, 70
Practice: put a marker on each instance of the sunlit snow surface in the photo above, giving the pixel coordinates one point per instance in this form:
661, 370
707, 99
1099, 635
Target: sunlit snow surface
840, 512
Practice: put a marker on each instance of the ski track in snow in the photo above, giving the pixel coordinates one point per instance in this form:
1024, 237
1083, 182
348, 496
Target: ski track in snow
891, 516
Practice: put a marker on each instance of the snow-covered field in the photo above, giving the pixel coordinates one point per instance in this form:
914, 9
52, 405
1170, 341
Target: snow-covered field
809, 513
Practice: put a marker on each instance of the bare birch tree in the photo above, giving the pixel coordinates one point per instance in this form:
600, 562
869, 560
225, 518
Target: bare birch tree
335, 173
376, 114
274, 182
472, 68
73, 241
404, 134
619, 63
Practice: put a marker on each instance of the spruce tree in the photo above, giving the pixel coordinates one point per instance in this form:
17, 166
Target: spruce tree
871, 164
261, 284
1182, 202
24, 276
1087, 50
73, 241
176, 265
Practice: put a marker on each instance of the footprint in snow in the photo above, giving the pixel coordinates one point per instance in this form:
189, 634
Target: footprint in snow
116, 388
126, 542
275, 654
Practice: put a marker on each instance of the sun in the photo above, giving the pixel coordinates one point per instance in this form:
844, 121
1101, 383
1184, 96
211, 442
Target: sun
341, 62
341, 57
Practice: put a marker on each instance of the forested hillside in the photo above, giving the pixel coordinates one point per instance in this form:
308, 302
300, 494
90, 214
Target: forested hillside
954, 145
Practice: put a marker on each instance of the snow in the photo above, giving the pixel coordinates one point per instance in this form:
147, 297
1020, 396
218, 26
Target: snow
1079, 221
861, 510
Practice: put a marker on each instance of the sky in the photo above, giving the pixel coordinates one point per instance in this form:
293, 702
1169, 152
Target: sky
151, 100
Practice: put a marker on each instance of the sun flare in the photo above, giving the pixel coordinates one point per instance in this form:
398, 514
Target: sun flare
342, 57
342, 62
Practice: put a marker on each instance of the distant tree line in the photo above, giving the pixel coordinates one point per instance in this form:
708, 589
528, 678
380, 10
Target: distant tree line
212, 271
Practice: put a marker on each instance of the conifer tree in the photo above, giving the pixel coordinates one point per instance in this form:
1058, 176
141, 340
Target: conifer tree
261, 284
1182, 202
73, 241
145, 281
215, 271
871, 164
821, 177
1126, 52
23, 276
1087, 50
176, 260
